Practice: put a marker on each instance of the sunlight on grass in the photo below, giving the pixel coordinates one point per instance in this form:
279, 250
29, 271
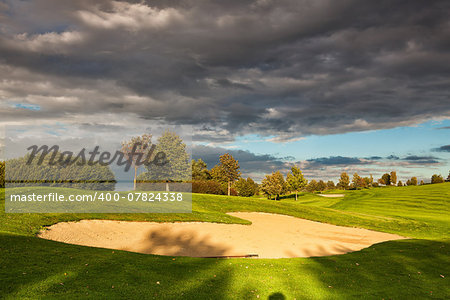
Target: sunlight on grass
35, 268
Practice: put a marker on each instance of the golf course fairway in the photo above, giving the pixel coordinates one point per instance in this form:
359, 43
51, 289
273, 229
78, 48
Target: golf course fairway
413, 268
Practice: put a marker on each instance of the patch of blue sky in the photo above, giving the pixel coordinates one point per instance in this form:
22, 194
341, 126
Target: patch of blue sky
400, 141
56, 126
28, 106
53, 132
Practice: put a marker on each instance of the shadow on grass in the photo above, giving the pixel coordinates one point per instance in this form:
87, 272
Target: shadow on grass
33, 268
276, 296
406, 269
185, 243
288, 196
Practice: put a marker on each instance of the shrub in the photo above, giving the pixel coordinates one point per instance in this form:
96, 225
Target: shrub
209, 187
437, 179
233, 192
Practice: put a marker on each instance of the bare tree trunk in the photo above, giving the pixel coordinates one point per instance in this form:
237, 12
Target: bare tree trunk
295, 195
167, 186
135, 175
229, 188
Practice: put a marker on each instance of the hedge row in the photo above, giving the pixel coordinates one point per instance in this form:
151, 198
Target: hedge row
211, 187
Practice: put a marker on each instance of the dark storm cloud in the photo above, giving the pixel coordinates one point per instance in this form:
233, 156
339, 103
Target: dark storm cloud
424, 161
445, 148
283, 68
416, 157
257, 165
420, 160
249, 162
393, 157
337, 160
410, 159
374, 158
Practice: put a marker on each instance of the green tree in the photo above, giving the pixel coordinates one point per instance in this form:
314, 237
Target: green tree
386, 179
296, 181
279, 178
413, 180
255, 185
269, 187
330, 185
227, 170
136, 149
176, 167
437, 179
312, 186
321, 185
400, 183
421, 182
274, 185
217, 174
357, 181
393, 177
200, 170
245, 188
366, 182
344, 181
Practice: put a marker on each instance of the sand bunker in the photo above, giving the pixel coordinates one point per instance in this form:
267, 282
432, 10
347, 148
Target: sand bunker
269, 236
331, 195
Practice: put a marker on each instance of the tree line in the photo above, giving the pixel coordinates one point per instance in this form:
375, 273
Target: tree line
227, 174
224, 178
73, 175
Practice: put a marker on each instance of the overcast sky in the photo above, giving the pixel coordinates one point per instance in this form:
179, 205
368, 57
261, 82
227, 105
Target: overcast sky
274, 82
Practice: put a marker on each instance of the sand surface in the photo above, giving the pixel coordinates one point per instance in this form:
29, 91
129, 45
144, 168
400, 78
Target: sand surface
331, 195
269, 236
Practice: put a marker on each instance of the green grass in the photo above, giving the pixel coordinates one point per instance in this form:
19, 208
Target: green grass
404, 269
